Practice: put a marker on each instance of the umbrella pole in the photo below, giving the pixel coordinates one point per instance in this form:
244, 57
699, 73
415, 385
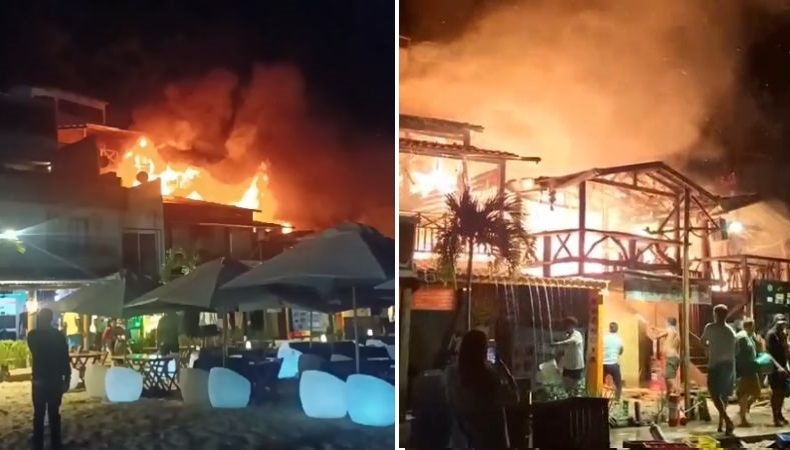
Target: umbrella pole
224, 337
310, 328
356, 331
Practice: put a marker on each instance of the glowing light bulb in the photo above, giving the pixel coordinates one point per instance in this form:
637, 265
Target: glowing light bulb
370, 332
143, 142
734, 227
323, 338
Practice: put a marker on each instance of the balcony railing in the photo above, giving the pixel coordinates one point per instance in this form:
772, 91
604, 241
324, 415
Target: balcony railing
733, 273
558, 252
584, 252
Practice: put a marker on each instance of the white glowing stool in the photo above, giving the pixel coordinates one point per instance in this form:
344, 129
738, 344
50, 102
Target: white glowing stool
123, 384
290, 365
75, 379
194, 386
94, 381
323, 395
228, 389
371, 401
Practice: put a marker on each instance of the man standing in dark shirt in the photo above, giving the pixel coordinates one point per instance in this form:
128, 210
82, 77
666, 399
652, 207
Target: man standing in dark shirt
51, 376
776, 343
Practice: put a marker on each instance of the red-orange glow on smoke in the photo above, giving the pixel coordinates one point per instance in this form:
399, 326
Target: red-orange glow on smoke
259, 141
584, 84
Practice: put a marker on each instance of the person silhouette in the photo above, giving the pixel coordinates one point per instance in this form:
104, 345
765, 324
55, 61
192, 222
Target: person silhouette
51, 377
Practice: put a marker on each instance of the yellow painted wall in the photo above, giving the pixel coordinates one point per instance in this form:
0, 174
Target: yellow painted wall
627, 314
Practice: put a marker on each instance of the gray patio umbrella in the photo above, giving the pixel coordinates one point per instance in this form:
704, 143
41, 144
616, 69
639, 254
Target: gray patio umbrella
349, 256
105, 297
199, 289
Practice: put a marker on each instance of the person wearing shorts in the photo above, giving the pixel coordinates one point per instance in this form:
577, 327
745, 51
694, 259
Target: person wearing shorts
719, 337
612, 349
572, 361
671, 351
776, 344
748, 386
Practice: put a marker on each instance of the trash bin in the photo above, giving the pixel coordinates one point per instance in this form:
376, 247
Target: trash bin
574, 423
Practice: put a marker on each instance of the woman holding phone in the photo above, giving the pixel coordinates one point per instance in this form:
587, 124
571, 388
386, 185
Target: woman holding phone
478, 392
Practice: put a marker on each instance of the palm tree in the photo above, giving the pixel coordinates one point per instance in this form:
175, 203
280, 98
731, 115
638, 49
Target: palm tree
493, 223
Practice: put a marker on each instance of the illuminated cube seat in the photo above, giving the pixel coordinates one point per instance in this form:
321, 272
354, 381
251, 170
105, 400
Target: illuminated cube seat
228, 389
290, 365
94, 380
323, 395
194, 386
371, 401
75, 379
123, 385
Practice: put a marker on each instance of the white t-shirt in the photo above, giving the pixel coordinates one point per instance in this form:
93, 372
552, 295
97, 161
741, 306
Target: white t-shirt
721, 343
612, 345
573, 356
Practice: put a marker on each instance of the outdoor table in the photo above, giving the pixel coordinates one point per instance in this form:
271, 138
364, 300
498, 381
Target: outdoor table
156, 378
79, 361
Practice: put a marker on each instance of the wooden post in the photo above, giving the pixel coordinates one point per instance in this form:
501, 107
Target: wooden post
686, 300
86, 331
547, 256
403, 346
747, 286
582, 224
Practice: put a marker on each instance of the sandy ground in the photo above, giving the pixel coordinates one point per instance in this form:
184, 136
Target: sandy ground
154, 424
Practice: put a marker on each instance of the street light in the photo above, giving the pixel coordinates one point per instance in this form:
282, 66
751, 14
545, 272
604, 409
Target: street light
10, 235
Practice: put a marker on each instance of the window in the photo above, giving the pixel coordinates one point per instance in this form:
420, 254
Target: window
140, 253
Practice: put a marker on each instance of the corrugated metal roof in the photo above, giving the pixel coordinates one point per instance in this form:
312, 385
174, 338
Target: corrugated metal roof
434, 148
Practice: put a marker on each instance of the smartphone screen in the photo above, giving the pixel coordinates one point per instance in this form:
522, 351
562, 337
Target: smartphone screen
491, 353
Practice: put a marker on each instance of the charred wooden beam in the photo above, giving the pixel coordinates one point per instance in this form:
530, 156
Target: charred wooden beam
630, 187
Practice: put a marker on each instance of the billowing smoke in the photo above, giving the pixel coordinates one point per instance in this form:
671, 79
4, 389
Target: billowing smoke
320, 172
586, 83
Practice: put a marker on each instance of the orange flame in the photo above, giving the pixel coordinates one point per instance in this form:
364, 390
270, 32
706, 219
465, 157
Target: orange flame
183, 180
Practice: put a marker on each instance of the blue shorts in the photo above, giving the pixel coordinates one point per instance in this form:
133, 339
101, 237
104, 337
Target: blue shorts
721, 379
75, 340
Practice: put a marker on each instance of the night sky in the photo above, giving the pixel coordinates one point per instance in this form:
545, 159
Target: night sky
124, 51
752, 131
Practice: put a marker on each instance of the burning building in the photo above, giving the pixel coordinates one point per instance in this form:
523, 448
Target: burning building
616, 232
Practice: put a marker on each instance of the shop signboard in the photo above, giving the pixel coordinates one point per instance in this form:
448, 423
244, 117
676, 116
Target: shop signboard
661, 290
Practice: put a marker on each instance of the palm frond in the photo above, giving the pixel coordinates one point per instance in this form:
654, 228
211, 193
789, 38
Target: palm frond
495, 223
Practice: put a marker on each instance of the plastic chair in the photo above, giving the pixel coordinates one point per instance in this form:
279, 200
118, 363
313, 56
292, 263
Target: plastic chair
323, 395
371, 401
228, 389
123, 385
